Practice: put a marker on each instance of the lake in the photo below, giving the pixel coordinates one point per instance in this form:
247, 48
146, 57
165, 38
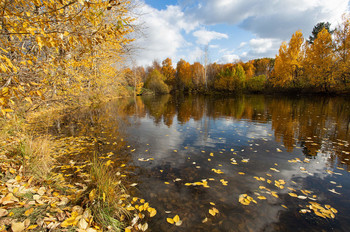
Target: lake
245, 163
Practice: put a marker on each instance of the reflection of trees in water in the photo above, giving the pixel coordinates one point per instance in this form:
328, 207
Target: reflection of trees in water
317, 123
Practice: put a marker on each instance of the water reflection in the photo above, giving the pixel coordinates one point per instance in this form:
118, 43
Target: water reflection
182, 132
184, 139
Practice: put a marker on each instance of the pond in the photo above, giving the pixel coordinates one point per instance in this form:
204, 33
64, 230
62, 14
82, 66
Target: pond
245, 163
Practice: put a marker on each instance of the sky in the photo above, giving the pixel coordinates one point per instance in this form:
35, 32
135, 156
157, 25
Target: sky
232, 29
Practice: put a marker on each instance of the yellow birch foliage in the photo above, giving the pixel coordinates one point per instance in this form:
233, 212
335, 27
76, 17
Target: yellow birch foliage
288, 64
184, 75
342, 39
319, 61
56, 49
169, 72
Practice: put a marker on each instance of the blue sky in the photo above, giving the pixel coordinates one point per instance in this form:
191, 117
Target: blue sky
233, 29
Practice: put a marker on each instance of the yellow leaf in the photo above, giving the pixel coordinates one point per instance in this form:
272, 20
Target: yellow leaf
29, 212
293, 195
153, 212
108, 163
261, 197
176, 218
92, 195
104, 197
32, 227
170, 220
28, 99
212, 212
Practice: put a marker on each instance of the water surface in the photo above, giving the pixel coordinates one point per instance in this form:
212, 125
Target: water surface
238, 145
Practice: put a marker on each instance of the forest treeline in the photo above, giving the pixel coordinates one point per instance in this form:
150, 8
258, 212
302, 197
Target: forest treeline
319, 64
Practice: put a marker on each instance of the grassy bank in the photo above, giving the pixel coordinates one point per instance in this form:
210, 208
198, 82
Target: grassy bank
37, 193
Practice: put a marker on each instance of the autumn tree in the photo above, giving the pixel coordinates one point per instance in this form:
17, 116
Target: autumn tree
212, 71
264, 66
55, 49
184, 75
319, 61
288, 64
230, 78
155, 82
342, 51
169, 72
249, 68
198, 75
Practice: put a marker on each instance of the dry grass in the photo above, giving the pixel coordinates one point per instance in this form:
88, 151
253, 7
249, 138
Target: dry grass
37, 156
34, 153
108, 191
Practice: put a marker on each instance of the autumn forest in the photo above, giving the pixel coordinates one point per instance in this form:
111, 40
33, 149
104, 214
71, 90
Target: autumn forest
317, 65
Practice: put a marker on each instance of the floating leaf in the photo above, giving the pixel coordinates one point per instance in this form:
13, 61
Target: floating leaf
293, 195
170, 220
176, 218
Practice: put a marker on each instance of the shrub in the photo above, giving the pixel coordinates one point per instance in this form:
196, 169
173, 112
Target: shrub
256, 84
155, 83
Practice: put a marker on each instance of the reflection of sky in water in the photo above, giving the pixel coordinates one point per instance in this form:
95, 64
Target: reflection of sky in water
249, 140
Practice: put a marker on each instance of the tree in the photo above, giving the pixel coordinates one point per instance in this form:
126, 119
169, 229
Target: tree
169, 72
288, 65
155, 82
264, 66
230, 78
319, 61
184, 75
317, 28
249, 68
198, 75
57, 49
281, 63
342, 39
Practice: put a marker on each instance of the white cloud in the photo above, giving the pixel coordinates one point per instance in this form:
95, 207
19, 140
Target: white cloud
270, 18
228, 58
261, 47
162, 33
204, 37
241, 45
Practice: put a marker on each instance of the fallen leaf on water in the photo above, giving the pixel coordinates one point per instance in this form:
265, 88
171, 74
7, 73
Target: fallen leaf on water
333, 191
293, 195
213, 211
152, 211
